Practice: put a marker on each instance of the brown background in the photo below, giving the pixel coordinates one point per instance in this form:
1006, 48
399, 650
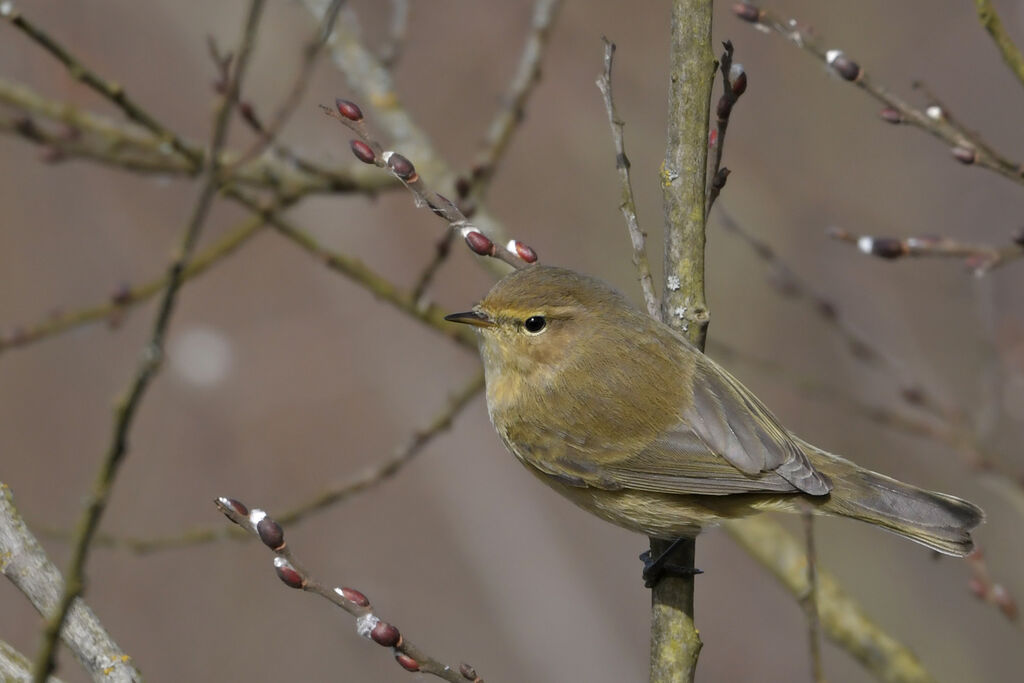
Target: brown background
463, 549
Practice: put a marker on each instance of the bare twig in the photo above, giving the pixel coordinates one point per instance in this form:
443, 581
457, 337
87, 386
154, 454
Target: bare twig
966, 147
370, 151
46, 657
391, 50
367, 480
268, 133
124, 297
24, 563
979, 258
513, 103
368, 624
627, 204
861, 346
989, 18
843, 620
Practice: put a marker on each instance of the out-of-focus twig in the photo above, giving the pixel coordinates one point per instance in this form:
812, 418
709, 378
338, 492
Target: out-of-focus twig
368, 624
268, 132
513, 102
979, 258
862, 347
627, 204
67, 132
126, 408
391, 50
966, 147
369, 479
989, 18
24, 563
843, 621
987, 590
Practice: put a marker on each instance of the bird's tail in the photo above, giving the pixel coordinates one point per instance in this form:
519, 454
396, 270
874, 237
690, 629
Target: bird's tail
939, 521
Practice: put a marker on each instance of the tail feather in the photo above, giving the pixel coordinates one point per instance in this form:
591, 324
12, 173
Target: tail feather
939, 521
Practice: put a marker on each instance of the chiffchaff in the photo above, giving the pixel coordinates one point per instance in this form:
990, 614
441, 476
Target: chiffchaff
626, 418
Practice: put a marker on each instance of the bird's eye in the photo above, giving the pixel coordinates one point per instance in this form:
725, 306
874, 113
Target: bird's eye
535, 324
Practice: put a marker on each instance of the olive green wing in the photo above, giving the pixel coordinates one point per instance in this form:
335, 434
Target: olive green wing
726, 442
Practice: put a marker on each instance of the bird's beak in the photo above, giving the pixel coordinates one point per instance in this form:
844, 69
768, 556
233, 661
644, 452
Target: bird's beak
474, 318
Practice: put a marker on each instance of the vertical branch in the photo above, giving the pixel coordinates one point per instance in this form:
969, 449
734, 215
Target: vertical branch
675, 642
811, 599
128, 404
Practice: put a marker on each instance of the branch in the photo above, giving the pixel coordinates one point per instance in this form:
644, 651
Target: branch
979, 258
675, 641
368, 624
844, 622
24, 562
965, 146
627, 206
45, 661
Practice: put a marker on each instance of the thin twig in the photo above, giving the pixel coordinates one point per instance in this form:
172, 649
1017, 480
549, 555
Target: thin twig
627, 205
46, 657
513, 103
291, 572
370, 478
268, 133
125, 298
978, 258
965, 147
862, 347
989, 18
811, 600
983, 587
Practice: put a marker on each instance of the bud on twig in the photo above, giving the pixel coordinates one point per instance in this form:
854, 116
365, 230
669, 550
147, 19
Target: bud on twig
407, 662
270, 532
363, 152
480, 243
287, 573
402, 167
350, 110
747, 12
385, 634
890, 115
847, 68
354, 596
965, 155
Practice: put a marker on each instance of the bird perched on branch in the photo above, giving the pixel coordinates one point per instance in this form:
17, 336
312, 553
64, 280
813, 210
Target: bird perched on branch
625, 417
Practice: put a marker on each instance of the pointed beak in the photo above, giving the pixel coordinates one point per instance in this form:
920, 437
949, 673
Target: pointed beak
474, 318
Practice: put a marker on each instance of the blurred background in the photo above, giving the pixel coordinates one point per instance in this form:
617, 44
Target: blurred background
283, 377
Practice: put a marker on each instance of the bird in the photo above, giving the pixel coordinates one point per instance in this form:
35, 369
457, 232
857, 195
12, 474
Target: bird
626, 418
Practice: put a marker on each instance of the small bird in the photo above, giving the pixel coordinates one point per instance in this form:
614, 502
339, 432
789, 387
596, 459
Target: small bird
625, 417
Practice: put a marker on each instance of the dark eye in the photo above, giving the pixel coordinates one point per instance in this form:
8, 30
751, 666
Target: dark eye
535, 324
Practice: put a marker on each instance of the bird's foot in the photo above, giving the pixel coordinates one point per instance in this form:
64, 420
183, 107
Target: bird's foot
657, 568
